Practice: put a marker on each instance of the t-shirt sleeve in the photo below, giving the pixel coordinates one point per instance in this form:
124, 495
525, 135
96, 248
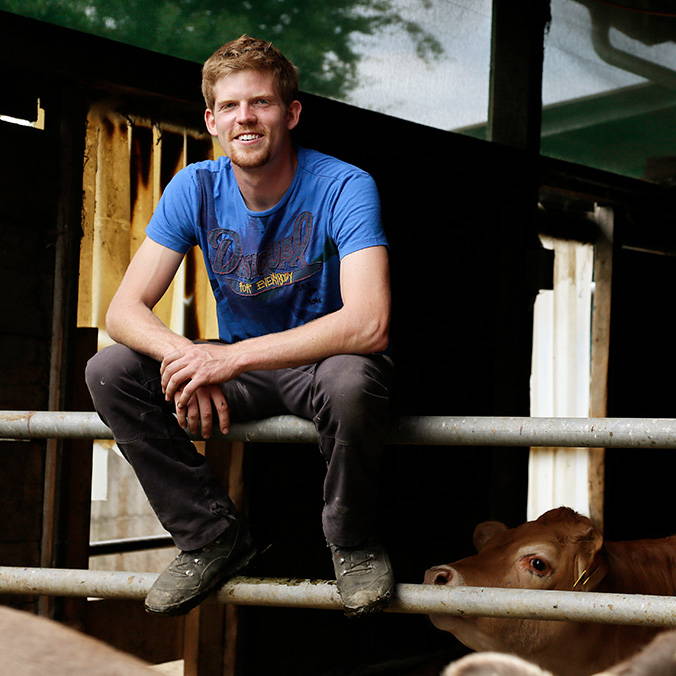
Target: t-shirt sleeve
356, 222
174, 222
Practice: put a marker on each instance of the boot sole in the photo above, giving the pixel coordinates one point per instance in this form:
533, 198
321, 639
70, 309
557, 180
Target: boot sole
371, 609
188, 604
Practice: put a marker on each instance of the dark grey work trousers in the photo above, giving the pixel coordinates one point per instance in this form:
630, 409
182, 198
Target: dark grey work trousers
346, 396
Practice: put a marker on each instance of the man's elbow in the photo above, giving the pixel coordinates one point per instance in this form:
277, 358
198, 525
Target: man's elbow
376, 337
113, 321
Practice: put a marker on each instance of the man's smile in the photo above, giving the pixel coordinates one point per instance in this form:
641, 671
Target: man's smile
248, 137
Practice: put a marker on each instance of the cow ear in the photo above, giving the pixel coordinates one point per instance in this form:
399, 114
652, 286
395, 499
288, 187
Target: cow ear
588, 562
485, 531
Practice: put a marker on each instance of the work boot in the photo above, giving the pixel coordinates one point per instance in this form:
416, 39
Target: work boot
364, 578
193, 575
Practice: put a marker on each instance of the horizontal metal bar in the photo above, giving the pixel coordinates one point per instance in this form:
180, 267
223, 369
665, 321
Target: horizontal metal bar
635, 609
425, 430
136, 544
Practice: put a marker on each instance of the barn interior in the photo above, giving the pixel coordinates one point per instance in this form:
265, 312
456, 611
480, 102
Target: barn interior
476, 217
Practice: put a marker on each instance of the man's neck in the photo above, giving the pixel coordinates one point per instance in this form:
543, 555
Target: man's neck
264, 186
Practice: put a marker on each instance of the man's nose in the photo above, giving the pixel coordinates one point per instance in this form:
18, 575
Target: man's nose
245, 113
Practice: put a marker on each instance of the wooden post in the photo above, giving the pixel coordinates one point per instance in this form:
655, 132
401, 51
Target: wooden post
517, 52
600, 348
210, 635
514, 114
68, 124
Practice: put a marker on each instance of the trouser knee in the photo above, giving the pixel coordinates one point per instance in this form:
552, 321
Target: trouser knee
112, 366
126, 392
351, 396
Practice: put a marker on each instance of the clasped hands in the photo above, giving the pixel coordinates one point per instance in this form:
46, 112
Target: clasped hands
191, 377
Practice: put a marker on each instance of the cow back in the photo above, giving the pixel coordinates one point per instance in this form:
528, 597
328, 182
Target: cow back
641, 567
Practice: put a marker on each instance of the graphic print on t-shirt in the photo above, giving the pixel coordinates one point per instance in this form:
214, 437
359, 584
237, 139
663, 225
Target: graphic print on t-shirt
281, 263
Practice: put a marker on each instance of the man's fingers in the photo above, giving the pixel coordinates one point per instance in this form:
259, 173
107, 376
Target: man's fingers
181, 380
167, 377
204, 411
168, 361
181, 412
222, 408
188, 389
196, 417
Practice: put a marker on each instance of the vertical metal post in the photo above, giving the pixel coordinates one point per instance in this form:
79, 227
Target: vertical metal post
517, 53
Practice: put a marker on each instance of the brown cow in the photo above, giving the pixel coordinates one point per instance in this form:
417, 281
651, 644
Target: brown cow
658, 658
34, 646
560, 550
493, 664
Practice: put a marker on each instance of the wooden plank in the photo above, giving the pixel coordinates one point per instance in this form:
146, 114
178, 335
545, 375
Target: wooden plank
112, 214
561, 379
210, 637
202, 321
170, 307
85, 308
142, 172
76, 478
600, 350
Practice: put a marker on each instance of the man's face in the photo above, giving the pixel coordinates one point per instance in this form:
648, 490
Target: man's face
249, 118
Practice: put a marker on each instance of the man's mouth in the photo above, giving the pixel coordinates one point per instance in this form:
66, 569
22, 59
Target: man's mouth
248, 137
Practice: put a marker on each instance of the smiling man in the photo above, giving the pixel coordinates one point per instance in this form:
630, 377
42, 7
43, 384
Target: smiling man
296, 255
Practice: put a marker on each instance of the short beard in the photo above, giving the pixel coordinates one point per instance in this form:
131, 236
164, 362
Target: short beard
250, 160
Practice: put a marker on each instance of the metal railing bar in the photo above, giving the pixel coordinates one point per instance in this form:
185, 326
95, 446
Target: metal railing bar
423, 430
633, 609
131, 544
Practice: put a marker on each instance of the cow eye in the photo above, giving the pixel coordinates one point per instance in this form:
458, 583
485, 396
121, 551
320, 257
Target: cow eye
539, 565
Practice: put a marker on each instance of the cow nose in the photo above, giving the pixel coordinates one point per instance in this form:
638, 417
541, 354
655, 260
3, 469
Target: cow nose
439, 575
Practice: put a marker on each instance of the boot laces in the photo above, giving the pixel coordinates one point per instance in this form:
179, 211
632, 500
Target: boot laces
185, 562
358, 562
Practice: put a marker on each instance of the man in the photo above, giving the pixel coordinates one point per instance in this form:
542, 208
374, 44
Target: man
297, 260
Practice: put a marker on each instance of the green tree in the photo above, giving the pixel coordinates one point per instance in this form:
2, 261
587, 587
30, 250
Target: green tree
317, 36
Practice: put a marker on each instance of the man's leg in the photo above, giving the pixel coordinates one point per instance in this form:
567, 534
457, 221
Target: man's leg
351, 412
188, 500
347, 397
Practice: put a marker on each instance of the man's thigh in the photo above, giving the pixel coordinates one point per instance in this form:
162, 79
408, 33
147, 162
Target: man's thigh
261, 394
296, 391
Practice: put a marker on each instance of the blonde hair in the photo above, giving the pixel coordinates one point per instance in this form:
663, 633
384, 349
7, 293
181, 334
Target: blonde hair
247, 53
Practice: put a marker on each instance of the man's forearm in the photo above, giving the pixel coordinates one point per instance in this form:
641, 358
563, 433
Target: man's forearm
335, 333
135, 326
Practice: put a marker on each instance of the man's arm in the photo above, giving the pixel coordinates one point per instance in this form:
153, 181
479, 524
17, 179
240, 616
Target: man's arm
361, 326
130, 319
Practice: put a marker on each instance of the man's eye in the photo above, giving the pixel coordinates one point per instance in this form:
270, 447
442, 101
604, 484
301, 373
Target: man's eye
262, 102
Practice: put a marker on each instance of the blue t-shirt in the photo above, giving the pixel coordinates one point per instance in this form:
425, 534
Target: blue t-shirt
276, 269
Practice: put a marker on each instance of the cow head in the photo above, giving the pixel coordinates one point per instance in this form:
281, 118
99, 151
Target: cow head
560, 550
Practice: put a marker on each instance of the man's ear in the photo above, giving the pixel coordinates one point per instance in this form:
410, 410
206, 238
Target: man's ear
210, 121
293, 114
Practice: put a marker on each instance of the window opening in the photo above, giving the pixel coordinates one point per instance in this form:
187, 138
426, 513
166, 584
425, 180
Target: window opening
37, 123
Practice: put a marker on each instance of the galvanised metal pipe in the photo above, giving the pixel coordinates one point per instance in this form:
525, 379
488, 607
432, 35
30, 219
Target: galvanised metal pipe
634, 609
424, 430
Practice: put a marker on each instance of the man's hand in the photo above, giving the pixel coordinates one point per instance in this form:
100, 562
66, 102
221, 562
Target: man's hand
194, 366
198, 416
